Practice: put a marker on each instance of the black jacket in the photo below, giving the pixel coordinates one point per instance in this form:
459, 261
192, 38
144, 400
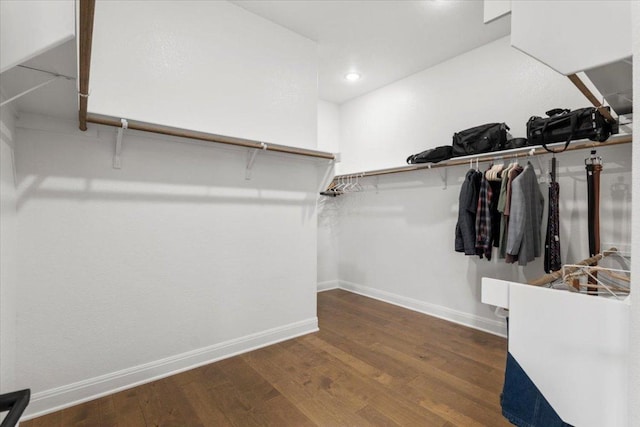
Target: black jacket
467, 205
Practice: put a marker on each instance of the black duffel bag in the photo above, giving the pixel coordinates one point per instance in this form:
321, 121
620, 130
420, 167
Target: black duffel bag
480, 139
564, 125
433, 155
516, 143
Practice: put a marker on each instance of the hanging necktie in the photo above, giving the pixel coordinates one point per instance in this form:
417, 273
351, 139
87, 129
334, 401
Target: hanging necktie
593, 167
552, 260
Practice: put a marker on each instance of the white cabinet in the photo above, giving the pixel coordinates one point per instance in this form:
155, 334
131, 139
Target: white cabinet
572, 36
574, 347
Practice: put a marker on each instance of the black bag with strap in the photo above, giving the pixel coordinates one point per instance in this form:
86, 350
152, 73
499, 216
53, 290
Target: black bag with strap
480, 139
564, 125
433, 155
516, 143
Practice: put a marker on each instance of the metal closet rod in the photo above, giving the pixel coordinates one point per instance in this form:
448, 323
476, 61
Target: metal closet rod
490, 157
208, 137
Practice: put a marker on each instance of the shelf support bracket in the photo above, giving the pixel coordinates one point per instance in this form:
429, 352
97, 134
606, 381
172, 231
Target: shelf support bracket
443, 177
251, 158
117, 161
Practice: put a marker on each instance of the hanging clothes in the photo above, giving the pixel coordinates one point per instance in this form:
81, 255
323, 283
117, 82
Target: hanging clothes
465, 240
483, 219
552, 258
487, 215
513, 172
525, 218
496, 216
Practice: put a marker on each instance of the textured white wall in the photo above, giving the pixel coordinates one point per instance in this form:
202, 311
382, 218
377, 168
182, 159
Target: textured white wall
209, 66
494, 83
28, 28
171, 254
328, 126
8, 247
634, 380
398, 241
328, 140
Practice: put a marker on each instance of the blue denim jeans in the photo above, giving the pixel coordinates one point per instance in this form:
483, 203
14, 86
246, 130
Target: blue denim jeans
522, 403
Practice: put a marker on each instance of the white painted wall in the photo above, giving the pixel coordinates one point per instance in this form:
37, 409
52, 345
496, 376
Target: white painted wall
396, 243
173, 261
634, 377
328, 250
8, 247
382, 128
209, 66
328, 126
494, 9
29, 28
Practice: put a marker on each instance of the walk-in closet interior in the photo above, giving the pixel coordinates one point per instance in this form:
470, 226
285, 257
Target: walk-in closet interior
329, 213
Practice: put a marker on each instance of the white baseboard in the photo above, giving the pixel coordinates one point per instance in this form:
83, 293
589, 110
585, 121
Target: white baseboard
328, 285
52, 400
491, 326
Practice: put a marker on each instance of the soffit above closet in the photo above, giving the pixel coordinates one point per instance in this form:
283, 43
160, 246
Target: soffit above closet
58, 99
383, 40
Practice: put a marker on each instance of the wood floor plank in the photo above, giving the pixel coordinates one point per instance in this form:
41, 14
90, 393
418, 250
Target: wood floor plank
375, 417
371, 336
304, 387
371, 364
108, 414
82, 415
482, 347
202, 399
50, 420
164, 404
127, 407
417, 332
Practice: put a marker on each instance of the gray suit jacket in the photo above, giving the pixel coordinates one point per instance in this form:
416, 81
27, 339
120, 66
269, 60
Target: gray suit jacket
524, 238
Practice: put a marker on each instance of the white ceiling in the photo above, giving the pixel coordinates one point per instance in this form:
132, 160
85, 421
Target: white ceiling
383, 40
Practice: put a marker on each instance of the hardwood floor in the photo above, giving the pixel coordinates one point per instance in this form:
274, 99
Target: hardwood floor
371, 364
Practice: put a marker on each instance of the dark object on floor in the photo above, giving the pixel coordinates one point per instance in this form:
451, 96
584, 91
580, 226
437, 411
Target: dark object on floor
14, 402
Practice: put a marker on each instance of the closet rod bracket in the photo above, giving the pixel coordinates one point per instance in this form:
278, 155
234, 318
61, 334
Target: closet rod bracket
117, 161
251, 158
443, 177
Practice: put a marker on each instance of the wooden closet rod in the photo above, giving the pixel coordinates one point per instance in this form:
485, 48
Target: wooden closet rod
552, 277
591, 97
87, 11
492, 157
208, 137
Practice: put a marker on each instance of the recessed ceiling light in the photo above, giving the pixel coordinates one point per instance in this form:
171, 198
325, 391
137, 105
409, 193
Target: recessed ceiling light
353, 76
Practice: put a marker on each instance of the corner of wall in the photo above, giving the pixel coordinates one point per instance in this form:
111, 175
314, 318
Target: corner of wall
8, 277
634, 377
